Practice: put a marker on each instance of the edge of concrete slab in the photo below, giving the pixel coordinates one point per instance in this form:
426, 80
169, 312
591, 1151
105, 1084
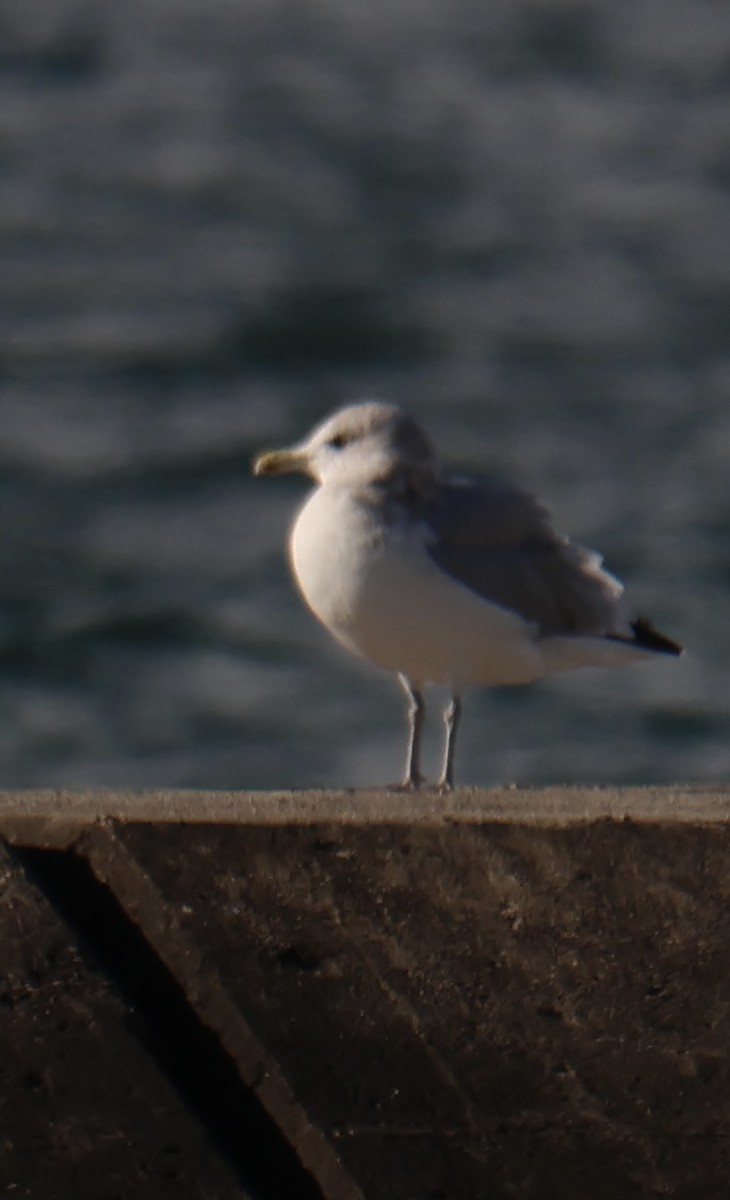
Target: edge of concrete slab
315, 934
57, 817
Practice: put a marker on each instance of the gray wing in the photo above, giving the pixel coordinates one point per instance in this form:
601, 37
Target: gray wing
501, 544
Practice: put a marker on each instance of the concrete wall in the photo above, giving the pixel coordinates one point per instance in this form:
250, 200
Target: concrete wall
341, 996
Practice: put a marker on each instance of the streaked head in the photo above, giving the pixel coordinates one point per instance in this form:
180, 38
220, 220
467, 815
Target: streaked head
358, 445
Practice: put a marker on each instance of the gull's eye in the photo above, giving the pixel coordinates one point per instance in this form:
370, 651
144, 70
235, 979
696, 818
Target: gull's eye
337, 442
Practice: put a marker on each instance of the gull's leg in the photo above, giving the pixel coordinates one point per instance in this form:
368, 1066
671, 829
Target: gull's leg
451, 720
416, 711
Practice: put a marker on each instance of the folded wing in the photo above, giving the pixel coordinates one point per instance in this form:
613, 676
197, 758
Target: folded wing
501, 543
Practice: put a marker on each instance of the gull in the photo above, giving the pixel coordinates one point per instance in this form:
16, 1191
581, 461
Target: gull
444, 580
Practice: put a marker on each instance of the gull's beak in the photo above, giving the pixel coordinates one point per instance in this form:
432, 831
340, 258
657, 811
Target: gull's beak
281, 462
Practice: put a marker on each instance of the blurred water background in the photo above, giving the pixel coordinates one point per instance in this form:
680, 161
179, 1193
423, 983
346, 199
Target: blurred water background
220, 219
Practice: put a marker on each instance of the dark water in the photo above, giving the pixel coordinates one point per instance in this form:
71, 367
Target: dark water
218, 221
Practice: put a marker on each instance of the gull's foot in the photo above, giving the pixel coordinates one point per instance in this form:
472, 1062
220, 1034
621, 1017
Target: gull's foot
444, 787
408, 785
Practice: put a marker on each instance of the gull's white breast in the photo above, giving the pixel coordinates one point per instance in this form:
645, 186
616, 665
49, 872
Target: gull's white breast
379, 592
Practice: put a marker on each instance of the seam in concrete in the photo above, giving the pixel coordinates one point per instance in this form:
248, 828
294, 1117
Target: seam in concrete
115, 867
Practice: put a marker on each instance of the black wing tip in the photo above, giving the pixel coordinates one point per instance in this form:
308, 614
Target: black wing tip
646, 637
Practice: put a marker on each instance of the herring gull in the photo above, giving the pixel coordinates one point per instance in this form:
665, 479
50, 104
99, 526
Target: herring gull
444, 580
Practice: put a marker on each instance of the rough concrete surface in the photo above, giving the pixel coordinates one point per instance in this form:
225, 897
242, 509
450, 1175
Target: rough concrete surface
83, 1110
502, 994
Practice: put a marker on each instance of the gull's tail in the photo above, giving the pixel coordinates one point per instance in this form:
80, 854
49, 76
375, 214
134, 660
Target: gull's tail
646, 637
640, 641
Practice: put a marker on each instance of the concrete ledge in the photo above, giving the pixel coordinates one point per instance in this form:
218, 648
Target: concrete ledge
506, 993
57, 816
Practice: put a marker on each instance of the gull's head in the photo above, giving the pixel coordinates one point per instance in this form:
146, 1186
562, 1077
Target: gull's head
358, 445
